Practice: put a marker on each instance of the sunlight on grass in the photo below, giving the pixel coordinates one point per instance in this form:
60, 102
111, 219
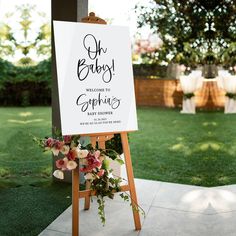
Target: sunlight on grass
205, 123
196, 180
223, 180
215, 146
209, 145
180, 147
4, 172
25, 114
209, 123
232, 149
47, 172
25, 121
204, 146
177, 147
209, 133
180, 139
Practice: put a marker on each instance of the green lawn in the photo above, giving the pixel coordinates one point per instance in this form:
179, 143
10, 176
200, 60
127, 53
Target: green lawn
192, 149
29, 201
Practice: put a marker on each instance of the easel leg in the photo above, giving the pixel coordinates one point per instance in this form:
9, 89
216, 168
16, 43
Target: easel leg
87, 198
75, 202
88, 184
130, 175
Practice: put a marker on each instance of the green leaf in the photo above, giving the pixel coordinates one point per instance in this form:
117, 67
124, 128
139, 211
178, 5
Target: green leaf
106, 164
120, 161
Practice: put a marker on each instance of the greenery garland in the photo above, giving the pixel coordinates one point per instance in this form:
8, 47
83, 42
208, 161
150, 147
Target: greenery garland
188, 96
231, 95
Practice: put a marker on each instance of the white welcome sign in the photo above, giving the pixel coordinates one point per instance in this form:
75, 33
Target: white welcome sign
95, 78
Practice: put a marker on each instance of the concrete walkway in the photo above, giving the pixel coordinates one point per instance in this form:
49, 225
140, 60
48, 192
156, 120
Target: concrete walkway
171, 210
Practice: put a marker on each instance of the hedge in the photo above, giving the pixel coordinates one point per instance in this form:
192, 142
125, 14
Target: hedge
31, 85
149, 70
25, 85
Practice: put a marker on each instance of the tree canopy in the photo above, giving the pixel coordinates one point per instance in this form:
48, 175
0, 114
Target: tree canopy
27, 38
192, 31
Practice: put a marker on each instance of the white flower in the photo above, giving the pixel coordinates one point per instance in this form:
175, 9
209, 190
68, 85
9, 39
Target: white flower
89, 176
71, 165
110, 175
55, 151
65, 149
82, 153
155, 41
58, 174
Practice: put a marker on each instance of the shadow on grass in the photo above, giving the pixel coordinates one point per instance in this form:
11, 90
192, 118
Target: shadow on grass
26, 207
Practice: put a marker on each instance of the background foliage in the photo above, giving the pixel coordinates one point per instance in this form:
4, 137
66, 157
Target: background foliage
24, 37
25, 85
24, 81
193, 32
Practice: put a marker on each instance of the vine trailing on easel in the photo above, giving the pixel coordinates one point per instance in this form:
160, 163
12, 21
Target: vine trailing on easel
94, 163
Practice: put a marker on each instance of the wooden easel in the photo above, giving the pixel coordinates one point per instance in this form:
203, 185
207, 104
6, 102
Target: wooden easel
100, 139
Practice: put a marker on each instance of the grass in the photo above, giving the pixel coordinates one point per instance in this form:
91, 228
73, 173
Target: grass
191, 149
29, 200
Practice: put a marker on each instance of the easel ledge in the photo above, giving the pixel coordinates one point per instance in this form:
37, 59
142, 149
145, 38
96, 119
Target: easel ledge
106, 133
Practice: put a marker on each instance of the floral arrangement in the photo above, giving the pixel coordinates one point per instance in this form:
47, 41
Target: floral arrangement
94, 163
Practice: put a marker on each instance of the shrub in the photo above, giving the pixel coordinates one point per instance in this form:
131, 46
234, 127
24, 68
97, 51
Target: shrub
25, 85
149, 70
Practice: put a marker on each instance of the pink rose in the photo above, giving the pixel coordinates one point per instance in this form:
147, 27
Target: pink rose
101, 158
67, 138
101, 173
49, 142
97, 154
93, 162
61, 164
86, 169
72, 154
58, 145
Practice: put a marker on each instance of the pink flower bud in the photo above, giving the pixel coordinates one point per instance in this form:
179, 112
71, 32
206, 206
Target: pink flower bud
101, 172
